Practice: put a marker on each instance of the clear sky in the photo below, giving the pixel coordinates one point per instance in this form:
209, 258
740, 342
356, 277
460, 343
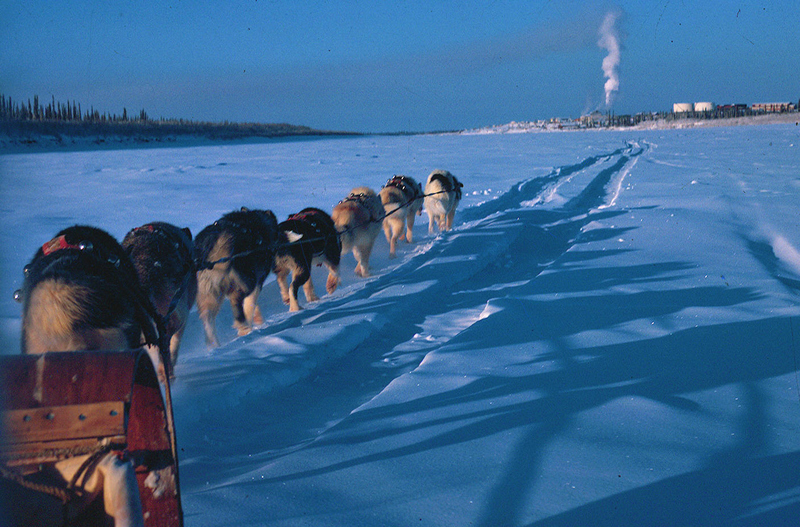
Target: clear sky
385, 66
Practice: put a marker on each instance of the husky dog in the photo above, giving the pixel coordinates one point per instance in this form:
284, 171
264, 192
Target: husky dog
358, 219
81, 292
233, 257
442, 194
402, 199
163, 256
307, 238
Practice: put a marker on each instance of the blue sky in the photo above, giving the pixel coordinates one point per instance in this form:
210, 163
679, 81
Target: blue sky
385, 66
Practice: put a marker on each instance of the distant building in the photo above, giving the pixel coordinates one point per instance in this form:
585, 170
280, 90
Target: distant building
683, 107
738, 107
772, 107
704, 106
593, 120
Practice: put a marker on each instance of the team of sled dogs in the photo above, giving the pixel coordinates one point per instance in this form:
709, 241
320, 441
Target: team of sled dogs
85, 291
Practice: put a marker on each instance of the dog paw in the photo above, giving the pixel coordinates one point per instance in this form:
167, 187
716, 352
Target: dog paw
243, 330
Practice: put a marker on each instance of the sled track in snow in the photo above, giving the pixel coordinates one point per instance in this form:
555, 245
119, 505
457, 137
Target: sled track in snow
384, 326
294, 346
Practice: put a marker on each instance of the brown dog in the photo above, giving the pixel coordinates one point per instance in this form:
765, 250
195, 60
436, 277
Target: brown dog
402, 200
442, 194
233, 257
308, 238
358, 220
162, 255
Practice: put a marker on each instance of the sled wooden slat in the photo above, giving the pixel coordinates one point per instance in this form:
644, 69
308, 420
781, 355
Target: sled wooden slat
77, 421
55, 405
61, 379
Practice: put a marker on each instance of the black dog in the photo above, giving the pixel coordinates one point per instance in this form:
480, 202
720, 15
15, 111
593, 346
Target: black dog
307, 238
233, 257
81, 292
163, 256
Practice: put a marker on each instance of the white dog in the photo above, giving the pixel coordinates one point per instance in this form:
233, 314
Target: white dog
442, 194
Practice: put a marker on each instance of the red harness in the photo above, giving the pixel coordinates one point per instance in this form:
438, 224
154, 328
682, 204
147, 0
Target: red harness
56, 244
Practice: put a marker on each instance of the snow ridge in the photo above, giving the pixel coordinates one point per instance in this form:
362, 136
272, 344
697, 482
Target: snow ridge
445, 270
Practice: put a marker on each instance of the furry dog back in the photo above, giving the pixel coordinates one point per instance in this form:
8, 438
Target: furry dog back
233, 257
81, 292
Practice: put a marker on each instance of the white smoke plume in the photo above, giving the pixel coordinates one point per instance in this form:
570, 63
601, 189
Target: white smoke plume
609, 40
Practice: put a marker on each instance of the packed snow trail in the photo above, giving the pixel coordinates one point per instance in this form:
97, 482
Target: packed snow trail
611, 341
378, 321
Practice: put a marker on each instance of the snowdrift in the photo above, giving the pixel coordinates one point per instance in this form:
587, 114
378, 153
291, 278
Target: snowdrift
607, 337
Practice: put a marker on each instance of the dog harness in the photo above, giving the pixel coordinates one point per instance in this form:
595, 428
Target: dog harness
361, 199
405, 184
309, 217
178, 242
58, 243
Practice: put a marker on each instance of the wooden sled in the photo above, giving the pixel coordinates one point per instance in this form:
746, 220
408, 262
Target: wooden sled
58, 405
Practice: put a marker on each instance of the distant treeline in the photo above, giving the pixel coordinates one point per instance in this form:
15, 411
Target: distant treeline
59, 118
69, 111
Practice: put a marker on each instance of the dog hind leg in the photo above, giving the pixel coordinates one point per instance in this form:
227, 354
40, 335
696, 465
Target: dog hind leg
240, 322
174, 345
252, 313
396, 228
209, 300
387, 231
299, 278
362, 254
449, 219
208, 315
282, 277
410, 229
333, 278
308, 289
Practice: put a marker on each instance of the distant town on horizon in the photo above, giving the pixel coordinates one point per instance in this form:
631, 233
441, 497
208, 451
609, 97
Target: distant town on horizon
71, 112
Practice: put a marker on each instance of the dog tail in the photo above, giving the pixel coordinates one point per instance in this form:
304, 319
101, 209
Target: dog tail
293, 237
439, 181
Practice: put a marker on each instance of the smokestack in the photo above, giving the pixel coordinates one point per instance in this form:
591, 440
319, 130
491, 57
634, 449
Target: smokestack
609, 40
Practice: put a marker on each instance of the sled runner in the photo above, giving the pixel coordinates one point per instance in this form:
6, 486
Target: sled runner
60, 405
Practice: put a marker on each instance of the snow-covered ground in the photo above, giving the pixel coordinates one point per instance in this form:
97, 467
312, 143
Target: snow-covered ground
608, 337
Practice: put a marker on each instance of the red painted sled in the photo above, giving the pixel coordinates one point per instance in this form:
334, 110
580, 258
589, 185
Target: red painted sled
58, 405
